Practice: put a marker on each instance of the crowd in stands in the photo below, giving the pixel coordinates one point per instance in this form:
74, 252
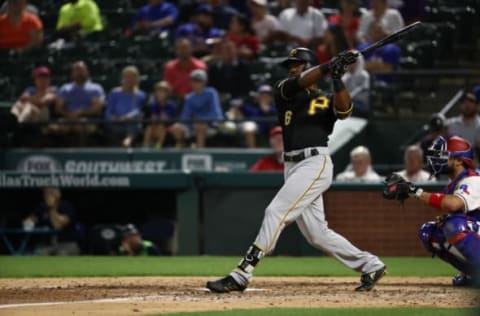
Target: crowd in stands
206, 67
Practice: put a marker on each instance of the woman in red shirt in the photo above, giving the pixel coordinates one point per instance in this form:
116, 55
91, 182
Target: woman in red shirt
348, 19
242, 34
334, 42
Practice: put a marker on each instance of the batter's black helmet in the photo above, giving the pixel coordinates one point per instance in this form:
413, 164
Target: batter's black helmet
301, 54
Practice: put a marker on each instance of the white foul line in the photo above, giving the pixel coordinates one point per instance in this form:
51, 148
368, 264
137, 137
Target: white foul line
108, 300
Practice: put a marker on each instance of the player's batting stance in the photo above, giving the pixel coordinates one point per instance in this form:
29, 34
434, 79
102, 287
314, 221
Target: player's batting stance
307, 116
455, 236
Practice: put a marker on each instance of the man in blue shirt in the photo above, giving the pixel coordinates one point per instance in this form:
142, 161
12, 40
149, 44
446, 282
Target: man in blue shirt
201, 32
201, 104
81, 98
157, 16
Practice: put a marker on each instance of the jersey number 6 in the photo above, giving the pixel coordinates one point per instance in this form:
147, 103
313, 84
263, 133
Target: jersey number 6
288, 118
318, 103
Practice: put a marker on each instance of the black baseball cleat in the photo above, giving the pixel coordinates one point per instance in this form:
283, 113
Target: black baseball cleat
225, 285
368, 280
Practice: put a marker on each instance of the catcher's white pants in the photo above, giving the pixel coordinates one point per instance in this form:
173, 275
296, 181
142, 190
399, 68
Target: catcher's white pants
300, 199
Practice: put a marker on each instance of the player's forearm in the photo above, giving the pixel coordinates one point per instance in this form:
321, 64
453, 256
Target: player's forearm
441, 202
313, 75
342, 100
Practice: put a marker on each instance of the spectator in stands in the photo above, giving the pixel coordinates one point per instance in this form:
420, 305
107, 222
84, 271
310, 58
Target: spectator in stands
222, 13
264, 24
272, 162
30, 8
134, 245
301, 25
357, 82
261, 109
58, 214
81, 98
436, 127
379, 22
334, 43
231, 74
348, 19
360, 168
201, 33
177, 71
467, 124
160, 108
413, 163
19, 29
201, 104
79, 16
383, 60
125, 103
242, 34
35, 102
155, 17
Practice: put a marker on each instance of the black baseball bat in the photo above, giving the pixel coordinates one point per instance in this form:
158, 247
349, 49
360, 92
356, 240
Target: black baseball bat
391, 38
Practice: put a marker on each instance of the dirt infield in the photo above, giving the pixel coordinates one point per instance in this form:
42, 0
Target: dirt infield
150, 295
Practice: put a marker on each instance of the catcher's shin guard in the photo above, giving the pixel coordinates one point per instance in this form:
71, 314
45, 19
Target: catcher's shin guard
251, 259
434, 240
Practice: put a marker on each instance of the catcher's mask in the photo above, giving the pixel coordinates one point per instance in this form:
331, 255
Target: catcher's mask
442, 149
300, 54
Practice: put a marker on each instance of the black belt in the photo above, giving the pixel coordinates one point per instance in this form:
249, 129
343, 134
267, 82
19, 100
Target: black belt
300, 156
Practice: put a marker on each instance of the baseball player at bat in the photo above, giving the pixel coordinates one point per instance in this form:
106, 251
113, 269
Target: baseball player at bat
455, 236
307, 116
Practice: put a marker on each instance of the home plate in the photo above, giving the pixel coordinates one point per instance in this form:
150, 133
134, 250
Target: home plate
204, 289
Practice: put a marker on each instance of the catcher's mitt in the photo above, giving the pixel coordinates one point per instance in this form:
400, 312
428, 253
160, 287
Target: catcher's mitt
397, 188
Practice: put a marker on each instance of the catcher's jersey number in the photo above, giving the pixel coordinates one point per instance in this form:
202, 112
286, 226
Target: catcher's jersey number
317, 103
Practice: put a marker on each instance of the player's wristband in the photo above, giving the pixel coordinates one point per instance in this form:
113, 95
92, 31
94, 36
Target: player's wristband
418, 193
324, 68
435, 200
338, 85
347, 112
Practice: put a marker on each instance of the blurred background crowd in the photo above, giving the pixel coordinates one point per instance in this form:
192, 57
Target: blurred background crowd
191, 73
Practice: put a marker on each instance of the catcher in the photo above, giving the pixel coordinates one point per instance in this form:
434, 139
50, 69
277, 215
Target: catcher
455, 236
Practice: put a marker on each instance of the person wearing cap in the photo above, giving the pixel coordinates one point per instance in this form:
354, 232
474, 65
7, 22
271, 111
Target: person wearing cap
222, 13
125, 103
19, 29
272, 162
467, 124
163, 109
177, 71
230, 75
378, 22
263, 23
262, 108
201, 105
201, 32
133, 244
35, 102
79, 16
302, 25
156, 16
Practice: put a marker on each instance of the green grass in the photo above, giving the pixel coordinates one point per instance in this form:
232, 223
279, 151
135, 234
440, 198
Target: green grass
18, 267
421, 311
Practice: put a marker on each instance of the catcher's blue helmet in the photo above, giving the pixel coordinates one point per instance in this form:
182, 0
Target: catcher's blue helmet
442, 149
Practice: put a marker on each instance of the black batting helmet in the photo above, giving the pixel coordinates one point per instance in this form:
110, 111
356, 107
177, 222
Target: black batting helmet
301, 54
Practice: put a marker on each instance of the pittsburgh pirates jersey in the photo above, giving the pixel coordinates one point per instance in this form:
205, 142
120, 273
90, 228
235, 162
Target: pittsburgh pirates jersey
307, 116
